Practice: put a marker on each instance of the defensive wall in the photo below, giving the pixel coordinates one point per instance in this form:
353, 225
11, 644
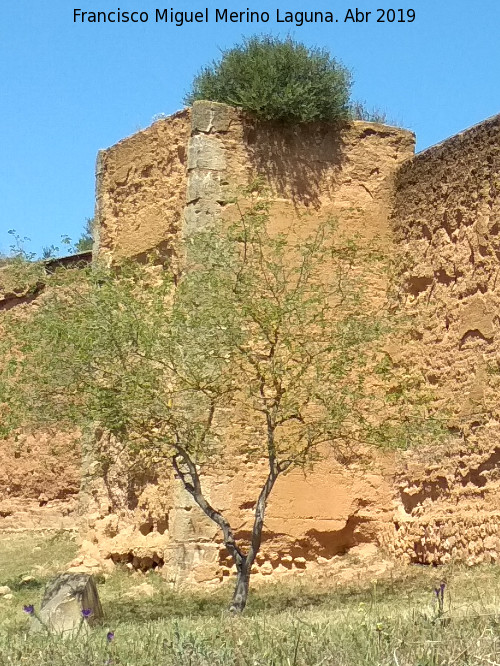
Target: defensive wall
446, 222
312, 172
437, 214
39, 475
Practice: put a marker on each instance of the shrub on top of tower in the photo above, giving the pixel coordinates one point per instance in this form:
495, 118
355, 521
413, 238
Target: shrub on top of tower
277, 80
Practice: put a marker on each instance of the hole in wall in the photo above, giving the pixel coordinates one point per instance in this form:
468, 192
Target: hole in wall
416, 285
146, 528
162, 525
443, 278
432, 490
473, 336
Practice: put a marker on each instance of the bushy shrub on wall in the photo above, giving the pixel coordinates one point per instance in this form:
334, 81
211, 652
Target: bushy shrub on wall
275, 79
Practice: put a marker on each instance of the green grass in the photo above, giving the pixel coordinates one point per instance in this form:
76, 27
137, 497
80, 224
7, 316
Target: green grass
29, 554
392, 622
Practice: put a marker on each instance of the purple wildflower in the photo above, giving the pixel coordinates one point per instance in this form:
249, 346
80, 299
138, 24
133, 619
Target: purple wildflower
440, 591
109, 636
86, 613
440, 597
30, 610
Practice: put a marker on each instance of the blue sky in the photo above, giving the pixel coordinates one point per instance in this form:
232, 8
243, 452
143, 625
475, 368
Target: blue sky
69, 89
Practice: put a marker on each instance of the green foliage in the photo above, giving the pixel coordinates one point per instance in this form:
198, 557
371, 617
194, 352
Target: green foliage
359, 111
269, 347
253, 328
86, 240
52, 251
275, 79
19, 272
20, 277
23, 273
276, 330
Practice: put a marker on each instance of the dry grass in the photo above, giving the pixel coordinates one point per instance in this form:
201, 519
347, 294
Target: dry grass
393, 622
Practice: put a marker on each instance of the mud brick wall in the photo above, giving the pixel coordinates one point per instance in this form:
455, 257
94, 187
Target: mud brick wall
438, 213
311, 172
39, 473
141, 191
446, 224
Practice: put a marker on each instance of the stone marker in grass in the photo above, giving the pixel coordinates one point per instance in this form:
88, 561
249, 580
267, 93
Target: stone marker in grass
70, 605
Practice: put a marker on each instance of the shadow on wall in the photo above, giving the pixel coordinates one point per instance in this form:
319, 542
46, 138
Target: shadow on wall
296, 161
313, 544
121, 476
163, 251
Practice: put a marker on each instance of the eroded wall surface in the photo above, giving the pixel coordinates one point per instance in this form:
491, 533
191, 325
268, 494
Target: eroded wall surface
438, 213
141, 191
39, 474
312, 172
446, 223
315, 170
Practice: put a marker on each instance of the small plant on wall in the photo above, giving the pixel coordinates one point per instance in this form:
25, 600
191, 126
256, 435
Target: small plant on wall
276, 79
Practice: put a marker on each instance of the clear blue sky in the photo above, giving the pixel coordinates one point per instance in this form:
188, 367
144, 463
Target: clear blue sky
69, 89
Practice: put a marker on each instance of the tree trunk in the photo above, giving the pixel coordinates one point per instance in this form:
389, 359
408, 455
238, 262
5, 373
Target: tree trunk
240, 594
243, 563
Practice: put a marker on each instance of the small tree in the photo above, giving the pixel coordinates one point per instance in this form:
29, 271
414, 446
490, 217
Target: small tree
86, 240
271, 334
276, 79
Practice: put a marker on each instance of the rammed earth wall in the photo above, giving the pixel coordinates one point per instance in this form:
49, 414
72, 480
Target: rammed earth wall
312, 172
39, 474
438, 214
446, 224
141, 190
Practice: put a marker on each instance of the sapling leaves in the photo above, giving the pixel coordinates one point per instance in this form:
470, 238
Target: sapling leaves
269, 348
